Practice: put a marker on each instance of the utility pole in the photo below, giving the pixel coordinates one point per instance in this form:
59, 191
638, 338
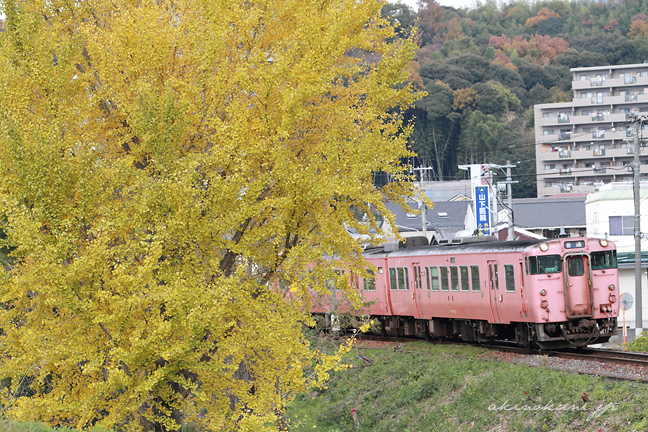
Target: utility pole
509, 202
636, 169
423, 205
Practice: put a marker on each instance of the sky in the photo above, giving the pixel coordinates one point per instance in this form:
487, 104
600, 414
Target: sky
455, 3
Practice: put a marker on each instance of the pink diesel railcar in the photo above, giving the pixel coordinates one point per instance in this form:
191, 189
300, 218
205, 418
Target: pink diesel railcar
553, 293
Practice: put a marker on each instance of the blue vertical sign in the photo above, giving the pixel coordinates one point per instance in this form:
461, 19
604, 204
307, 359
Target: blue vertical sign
481, 212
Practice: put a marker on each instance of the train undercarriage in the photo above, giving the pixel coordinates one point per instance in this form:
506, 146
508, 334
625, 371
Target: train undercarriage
574, 333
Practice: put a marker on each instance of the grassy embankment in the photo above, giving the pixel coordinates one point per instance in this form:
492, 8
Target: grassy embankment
425, 387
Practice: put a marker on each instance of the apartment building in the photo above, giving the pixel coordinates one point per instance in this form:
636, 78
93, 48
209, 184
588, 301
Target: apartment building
588, 142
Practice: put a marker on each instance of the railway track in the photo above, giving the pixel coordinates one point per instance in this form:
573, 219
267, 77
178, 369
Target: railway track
582, 354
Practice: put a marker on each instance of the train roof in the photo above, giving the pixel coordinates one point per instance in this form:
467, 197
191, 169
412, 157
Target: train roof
482, 247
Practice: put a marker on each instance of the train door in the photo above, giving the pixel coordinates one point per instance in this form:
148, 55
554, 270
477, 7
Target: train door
494, 291
524, 303
578, 286
418, 288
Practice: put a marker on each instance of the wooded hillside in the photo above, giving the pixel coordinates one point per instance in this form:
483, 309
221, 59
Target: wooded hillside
485, 68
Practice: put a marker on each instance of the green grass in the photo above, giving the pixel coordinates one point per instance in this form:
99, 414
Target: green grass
424, 387
13, 426
640, 344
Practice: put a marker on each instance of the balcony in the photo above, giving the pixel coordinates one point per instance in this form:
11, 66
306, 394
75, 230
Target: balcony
564, 135
565, 171
563, 119
630, 80
598, 117
631, 98
598, 134
630, 114
564, 153
597, 99
599, 152
595, 82
599, 169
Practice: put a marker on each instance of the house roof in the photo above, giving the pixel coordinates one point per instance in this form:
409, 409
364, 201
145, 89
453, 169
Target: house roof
549, 212
450, 215
615, 195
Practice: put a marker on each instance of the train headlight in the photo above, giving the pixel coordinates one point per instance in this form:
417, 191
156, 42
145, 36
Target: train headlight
544, 247
543, 292
612, 298
611, 287
603, 242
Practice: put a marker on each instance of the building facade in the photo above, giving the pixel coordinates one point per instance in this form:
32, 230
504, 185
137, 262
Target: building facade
588, 142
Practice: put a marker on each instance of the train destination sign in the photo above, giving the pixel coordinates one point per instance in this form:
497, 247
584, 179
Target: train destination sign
574, 244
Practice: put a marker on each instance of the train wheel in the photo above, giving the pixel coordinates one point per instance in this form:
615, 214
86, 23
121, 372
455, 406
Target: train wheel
522, 336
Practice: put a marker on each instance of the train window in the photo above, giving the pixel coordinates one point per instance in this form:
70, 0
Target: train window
370, 282
474, 272
496, 276
575, 266
604, 260
444, 278
415, 278
406, 287
434, 274
464, 278
545, 264
454, 278
510, 277
427, 278
526, 262
393, 284
401, 278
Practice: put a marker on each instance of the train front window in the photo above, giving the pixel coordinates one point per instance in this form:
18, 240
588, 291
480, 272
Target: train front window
575, 266
545, 264
604, 260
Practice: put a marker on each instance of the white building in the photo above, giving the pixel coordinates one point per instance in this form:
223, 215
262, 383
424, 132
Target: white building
610, 214
588, 142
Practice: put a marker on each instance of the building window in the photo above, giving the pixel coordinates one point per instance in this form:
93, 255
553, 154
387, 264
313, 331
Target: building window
621, 225
548, 114
587, 112
584, 77
550, 166
548, 132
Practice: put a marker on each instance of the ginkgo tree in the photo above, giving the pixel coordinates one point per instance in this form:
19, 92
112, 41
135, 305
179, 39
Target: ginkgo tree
164, 164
